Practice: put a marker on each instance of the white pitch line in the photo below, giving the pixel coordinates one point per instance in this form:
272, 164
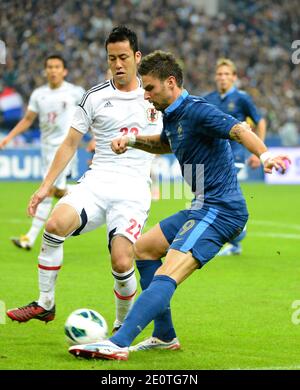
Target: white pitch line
275, 224
285, 236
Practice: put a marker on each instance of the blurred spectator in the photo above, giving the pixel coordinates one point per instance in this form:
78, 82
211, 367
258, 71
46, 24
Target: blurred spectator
11, 107
256, 35
289, 134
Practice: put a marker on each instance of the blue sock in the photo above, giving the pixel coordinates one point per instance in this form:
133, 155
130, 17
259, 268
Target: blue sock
152, 302
236, 241
147, 269
163, 325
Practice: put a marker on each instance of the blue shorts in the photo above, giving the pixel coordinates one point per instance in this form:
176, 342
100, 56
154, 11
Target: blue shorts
202, 232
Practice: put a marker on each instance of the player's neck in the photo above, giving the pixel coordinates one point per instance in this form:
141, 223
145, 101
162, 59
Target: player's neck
131, 86
223, 91
55, 85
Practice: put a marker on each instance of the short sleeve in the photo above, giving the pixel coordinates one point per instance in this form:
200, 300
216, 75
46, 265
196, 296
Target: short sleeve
33, 102
210, 121
79, 94
83, 116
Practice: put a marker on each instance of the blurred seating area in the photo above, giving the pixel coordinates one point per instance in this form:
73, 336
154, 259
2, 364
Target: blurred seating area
257, 35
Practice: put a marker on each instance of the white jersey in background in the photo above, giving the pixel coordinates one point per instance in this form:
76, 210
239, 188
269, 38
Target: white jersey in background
112, 113
55, 108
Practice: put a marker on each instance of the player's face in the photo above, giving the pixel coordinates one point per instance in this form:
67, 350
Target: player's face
123, 64
225, 78
55, 72
157, 92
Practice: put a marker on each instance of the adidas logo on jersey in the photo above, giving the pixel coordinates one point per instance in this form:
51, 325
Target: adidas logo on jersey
108, 104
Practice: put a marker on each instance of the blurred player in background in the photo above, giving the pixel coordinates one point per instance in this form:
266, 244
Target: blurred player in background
54, 104
197, 133
115, 190
240, 105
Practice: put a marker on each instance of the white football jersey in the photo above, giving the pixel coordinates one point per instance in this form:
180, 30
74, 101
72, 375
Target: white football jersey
55, 108
112, 113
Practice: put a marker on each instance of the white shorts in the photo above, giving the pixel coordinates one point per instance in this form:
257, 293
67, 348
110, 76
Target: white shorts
121, 202
48, 153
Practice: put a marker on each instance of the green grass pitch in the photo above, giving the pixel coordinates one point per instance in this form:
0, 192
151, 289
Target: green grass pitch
236, 313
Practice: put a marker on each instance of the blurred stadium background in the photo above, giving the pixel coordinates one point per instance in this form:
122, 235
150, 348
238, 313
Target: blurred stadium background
244, 319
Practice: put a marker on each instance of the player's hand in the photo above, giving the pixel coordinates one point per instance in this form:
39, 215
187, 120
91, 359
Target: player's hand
119, 145
36, 199
254, 161
280, 163
4, 142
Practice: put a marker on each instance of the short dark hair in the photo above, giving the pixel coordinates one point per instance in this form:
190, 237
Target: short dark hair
161, 65
56, 57
123, 33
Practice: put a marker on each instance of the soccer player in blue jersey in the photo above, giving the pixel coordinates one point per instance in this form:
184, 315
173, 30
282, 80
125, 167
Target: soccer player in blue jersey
197, 133
240, 105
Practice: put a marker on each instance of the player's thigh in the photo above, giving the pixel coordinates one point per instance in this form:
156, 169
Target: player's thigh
171, 225
152, 245
88, 205
205, 232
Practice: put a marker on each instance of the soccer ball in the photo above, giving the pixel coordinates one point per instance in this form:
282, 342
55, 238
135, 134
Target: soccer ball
85, 326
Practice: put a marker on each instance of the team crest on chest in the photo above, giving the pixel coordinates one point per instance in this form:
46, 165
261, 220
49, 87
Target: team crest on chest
231, 106
152, 115
180, 131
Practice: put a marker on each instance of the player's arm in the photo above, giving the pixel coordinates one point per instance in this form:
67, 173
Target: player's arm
62, 157
260, 131
20, 127
243, 134
149, 143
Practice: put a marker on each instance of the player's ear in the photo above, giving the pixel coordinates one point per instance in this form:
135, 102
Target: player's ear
138, 57
65, 72
171, 80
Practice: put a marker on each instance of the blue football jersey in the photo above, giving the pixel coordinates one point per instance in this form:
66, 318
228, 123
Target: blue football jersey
198, 134
240, 105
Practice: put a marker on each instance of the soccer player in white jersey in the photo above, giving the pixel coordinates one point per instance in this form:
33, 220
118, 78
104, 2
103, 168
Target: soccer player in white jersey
54, 103
116, 188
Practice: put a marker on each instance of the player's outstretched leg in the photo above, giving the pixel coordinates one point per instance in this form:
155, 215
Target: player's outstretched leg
152, 302
164, 335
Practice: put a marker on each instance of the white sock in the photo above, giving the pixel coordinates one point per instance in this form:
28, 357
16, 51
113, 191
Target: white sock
125, 290
50, 261
39, 219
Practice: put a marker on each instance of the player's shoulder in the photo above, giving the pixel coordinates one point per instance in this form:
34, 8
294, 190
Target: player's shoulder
197, 101
242, 94
73, 87
98, 91
41, 89
209, 95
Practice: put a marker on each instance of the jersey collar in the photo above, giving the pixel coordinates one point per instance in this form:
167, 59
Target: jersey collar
172, 107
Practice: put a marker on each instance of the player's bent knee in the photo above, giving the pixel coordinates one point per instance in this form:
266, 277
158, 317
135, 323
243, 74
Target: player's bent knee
122, 264
55, 226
